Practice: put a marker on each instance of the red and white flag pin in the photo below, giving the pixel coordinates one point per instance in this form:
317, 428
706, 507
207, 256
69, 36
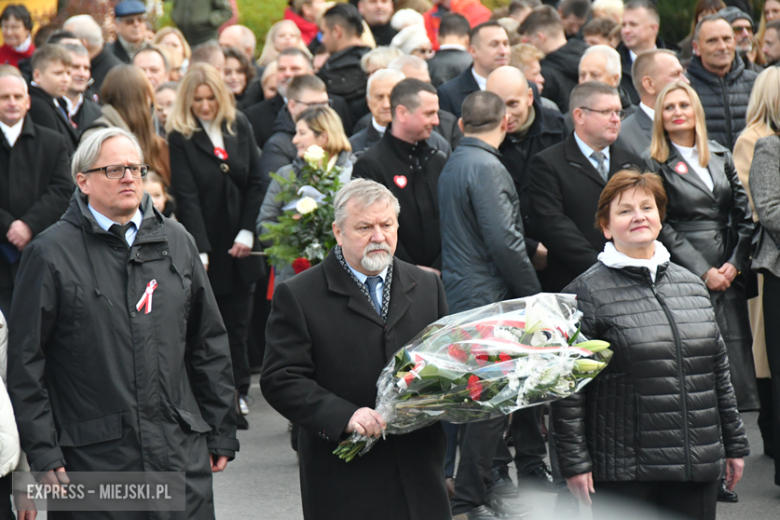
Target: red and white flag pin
681, 168
146, 299
221, 153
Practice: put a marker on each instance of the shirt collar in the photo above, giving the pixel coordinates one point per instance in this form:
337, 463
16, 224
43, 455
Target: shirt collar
587, 150
12, 132
25, 44
379, 128
634, 55
481, 82
363, 277
647, 110
453, 46
105, 223
73, 108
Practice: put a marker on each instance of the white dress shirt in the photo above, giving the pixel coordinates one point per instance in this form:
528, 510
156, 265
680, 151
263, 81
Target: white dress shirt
379, 128
73, 108
647, 110
481, 82
12, 132
587, 150
105, 223
691, 156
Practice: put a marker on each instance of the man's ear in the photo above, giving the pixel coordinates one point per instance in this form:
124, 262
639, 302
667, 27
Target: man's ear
648, 85
36, 75
336, 233
696, 49
81, 180
460, 124
505, 123
530, 96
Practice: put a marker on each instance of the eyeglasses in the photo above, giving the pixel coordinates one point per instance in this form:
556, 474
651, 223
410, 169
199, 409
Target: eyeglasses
606, 113
117, 171
328, 103
739, 30
131, 20
12, 26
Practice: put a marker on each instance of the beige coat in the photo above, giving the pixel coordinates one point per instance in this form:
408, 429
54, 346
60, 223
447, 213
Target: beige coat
743, 158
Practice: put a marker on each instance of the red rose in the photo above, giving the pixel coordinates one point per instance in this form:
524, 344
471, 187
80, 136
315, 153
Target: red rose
480, 355
458, 353
299, 265
503, 356
475, 388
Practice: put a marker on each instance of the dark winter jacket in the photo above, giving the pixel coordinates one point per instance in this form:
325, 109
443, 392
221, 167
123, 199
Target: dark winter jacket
516, 153
560, 70
343, 75
664, 408
447, 64
725, 100
411, 172
98, 385
484, 257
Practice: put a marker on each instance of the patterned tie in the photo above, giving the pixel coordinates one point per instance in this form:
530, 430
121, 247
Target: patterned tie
121, 231
601, 166
371, 283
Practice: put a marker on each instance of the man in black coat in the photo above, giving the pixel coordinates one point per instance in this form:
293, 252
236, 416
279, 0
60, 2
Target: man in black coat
34, 180
489, 48
341, 29
718, 76
377, 14
331, 331
485, 260
567, 179
405, 162
51, 79
113, 292
81, 109
544, 30
452, 58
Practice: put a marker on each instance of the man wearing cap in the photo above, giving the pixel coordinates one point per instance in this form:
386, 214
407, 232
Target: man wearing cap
130, 29
742, 23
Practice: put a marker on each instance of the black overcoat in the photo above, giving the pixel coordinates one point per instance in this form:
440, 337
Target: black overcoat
216, 199
325, 348
564, 193
44, 113
705, 229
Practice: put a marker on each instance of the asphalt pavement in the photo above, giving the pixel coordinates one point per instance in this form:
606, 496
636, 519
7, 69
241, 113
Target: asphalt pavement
262, 482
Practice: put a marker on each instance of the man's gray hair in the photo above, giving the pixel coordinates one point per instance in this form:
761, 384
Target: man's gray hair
13, 72
582, 94
412, 61
76, 48
89, 149
381, 56
709, 18
365, 193
383, 74
611, 55
85, 28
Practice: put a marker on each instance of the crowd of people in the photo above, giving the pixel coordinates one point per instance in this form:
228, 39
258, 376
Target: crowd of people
485, 156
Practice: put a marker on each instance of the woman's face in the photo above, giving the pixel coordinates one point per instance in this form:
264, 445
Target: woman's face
269, 87
157, 193
772, 10
173, 42
204, 103
634, 222
14, 31
285, 37
163, 101
678, 115
304, 138
235, 78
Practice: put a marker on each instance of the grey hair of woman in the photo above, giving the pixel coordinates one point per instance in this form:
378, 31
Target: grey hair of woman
365, 193
89, 150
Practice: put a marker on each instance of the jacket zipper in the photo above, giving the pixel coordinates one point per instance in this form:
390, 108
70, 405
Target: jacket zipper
727, 108
678, 345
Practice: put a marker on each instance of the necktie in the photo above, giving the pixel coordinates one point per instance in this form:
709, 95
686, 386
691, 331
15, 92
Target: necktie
121, 231
601, 167
371, 283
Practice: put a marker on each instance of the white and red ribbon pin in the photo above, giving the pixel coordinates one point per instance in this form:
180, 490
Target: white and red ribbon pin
146, 299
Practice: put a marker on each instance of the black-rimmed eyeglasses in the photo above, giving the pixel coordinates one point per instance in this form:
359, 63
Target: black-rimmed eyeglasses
117, 171
606, 113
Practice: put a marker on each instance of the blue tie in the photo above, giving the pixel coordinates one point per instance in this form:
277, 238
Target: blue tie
371, 283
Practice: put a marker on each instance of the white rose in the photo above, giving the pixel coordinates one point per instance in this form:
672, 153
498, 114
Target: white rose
306, 205
314, 156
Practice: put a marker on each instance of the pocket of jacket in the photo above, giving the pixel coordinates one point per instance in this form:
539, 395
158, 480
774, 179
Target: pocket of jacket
92, 431
193, 420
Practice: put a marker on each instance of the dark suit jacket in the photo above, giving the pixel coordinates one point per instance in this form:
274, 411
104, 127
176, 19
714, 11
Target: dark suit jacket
565, 189
452, 93
447, 64
35, 184
216, 199
636, 132
45, 114
119, 51
325, 348
88, 112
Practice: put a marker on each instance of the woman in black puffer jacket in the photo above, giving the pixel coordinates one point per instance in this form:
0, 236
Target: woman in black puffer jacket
660, 423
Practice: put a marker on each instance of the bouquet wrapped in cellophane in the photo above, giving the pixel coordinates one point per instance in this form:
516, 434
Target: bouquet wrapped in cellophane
485, 363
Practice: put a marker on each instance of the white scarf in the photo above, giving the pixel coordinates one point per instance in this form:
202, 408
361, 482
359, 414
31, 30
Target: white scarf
613, 258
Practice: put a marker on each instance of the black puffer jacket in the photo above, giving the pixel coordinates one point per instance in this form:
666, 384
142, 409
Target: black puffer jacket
725, 99
664, 409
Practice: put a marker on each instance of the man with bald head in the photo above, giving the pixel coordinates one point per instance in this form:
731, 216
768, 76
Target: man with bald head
651, 72
240, 37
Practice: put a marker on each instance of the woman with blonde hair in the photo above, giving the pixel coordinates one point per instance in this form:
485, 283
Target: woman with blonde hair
319, 126
128, 97
283, 35
216, 180
708, 227
172, 38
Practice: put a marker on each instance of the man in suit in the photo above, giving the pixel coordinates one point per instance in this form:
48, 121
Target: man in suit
34, 179
331, 331
51, 78
567, 179
408, 160
452, 58
543, 29
652, 71
489, 48
130, 26
101, 58
380, 85
81, 110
